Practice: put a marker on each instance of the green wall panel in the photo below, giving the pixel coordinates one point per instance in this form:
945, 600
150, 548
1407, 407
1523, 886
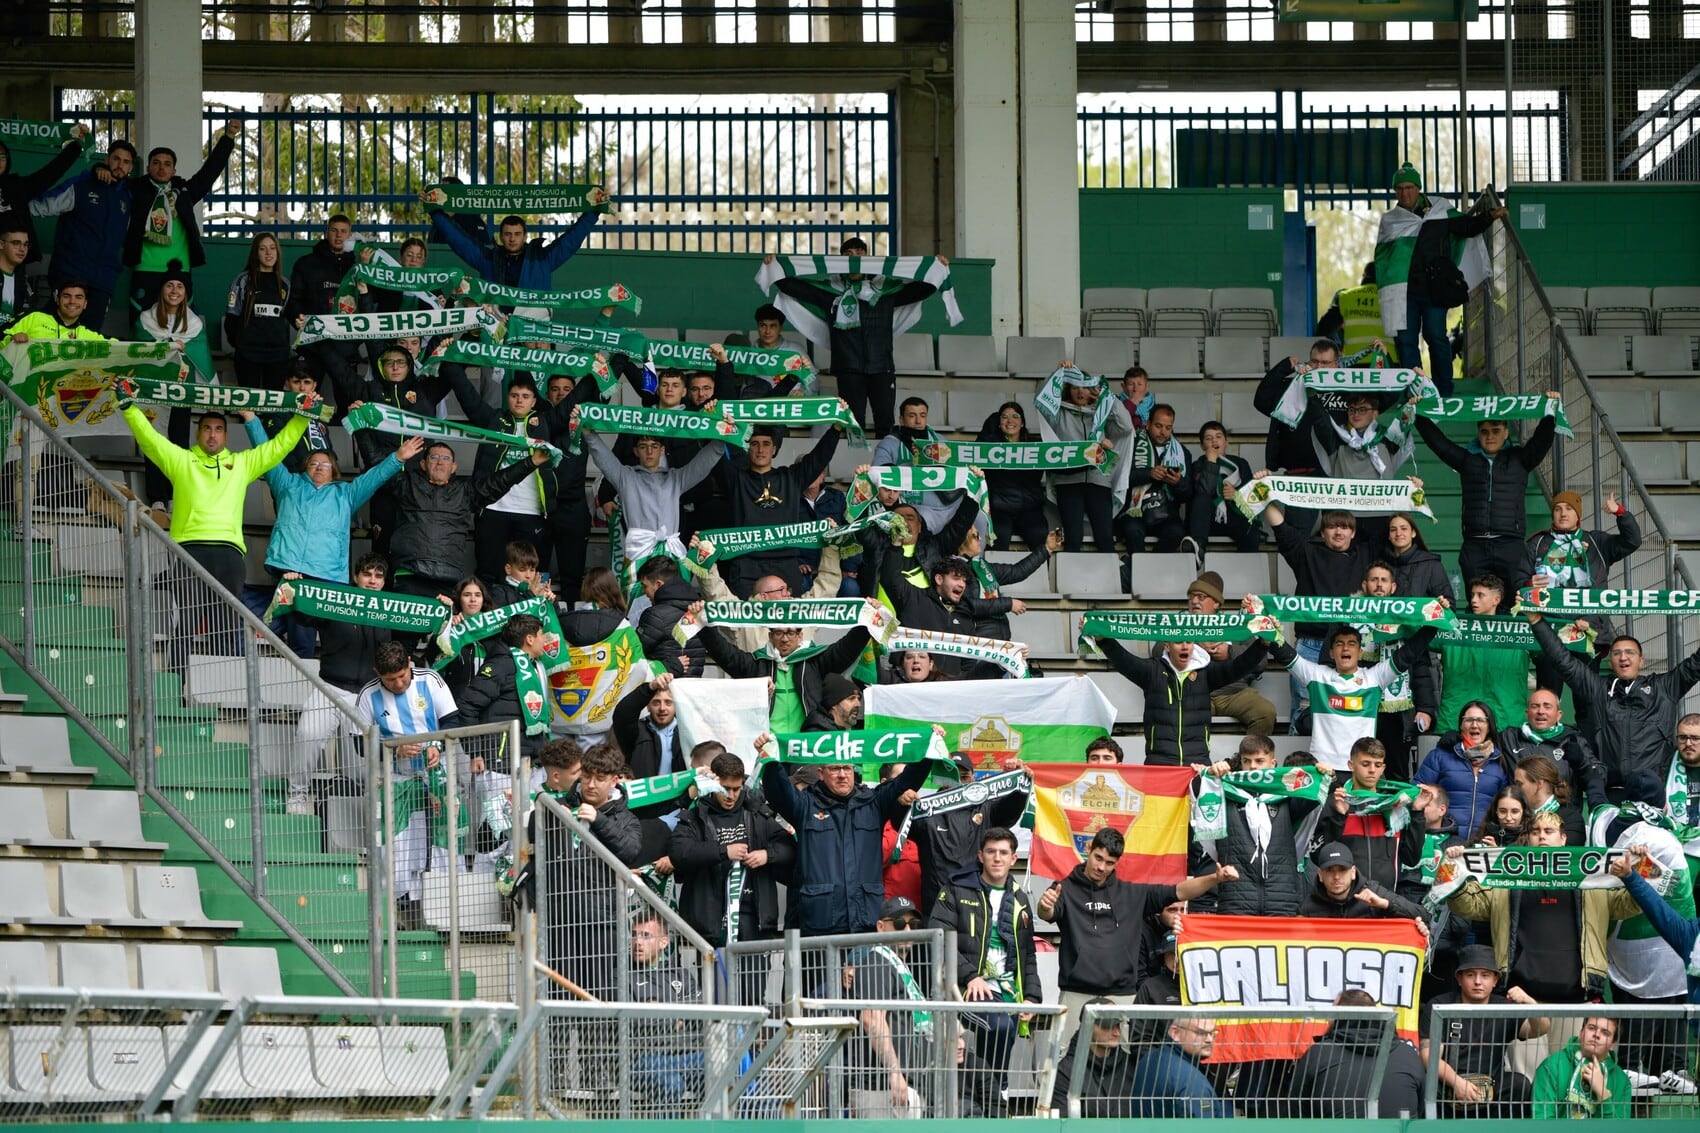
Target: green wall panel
1603, 235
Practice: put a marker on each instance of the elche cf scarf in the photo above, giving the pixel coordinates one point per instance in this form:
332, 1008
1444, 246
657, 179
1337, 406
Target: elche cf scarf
665, 423
183, 395
1492, 407
380, 609
583, 298
458, 634
387, 325
1389, 381
399, 422
868, 745
794, 412
526, 199
1415, 611
913, 478
1398, 494
880, 276
668, 788
1530, 867
1565, 602
1024, 456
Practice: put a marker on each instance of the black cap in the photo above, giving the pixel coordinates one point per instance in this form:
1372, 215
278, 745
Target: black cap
1477, 957
963, 761
896, 908
835, 688
1335, 854
1166, 944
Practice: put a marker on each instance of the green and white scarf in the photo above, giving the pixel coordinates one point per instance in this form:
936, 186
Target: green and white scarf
794, 412
399, 422
975, 794
457, 635
659, 789
1676, 807
910, 478
1020, 456
880, 277
573, 362
923, 1020
719, 544
832, 612
415, 795
182, 395
531, 682
1566, 560
1320, 494
1255, 792
613, 340
525, 199
1490, 407
1415, 611
734, 902
1568, 602
1010, 656
584, 298
1477, 631
389, 276
666, 423
1527, 867
388, 325
1342, 380
161, 215
757, 360
1390, 797
399, 613
1396, 246
870, 745
1159, 627
1049, 400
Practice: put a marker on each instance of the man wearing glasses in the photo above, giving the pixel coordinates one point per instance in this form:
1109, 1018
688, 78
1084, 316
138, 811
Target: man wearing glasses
14, 291
1633, 715
1167, 1081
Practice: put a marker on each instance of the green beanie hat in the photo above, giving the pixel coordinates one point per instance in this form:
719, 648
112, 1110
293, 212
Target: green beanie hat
1408, 174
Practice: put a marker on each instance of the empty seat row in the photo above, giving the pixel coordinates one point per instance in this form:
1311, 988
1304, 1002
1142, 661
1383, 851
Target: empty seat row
1643, 355
1627, 310
1164, 311
106, 820
237, 972
39, 745
98, 893
1648, 411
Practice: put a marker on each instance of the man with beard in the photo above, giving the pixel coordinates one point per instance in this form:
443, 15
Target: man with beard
840, 708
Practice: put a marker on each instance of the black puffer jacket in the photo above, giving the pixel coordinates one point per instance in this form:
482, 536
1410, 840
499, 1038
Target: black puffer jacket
1287, 449
1319, 572
1634, 721
1270, 879
492, 696
313, 283
1332, 1078
1011, 493
1177, 705
965, 908
655, 630
947, 843
545, 423
1419, 571
698, 849
1604, 548
1494, 487
1100, 927
865, 349
434, 521
415, 393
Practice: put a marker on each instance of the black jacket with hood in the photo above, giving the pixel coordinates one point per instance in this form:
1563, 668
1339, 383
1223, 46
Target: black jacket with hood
1101, 927
966, 907
1270, 879
1177, 705
1317, 902
1332, 1079
655, 629
313, 282
698, 850
1604, 548
947, 843
1320, 572
1493, 487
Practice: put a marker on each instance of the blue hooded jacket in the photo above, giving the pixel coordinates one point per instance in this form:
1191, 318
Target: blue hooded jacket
311, 533
533, 266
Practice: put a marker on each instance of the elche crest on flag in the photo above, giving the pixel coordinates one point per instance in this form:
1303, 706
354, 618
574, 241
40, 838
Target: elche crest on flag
1096, 800
587, 681
990, 742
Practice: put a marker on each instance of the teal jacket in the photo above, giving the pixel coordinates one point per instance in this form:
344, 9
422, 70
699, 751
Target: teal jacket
311, 533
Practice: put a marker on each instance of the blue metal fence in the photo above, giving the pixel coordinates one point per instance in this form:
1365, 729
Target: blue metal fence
774, 179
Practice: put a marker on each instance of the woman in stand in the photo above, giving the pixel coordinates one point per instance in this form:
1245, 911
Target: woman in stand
1416, 569
470, 597
1469, 765
254, 323
1016, 499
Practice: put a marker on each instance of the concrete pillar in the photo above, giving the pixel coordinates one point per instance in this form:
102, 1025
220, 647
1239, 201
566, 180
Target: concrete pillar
987, 150
168, 81
1050, 192
926, 175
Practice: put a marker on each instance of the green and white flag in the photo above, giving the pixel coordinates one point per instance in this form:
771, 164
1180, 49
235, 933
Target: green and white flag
1160, 627
1392, 382
389, 276
401, 423
667, 423
1503, 407
756, 360
717, 545
1321, 494
1567, 602
611, 340
477, 352
388, 325
525, 199
1527, 867
382, 609
583, 298
878, 277
1476, 631
1010, 656
873, 745
1396, 245
831, 612
1414, 611
1042, 719
794, 412
184, 395
1021, 456
70, 382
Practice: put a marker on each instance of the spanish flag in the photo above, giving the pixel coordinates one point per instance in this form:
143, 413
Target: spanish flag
1148, 805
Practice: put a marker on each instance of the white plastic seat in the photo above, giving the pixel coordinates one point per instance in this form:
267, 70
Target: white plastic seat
1243, 573
913, 354
93, 964
971, 405
1108, 356
1128, 697
1630, 410
1657, 463
1171, 359
24, 883
227, 1080
246, 973
665, 334
1676, 409
172, 967
277, 1061
38, 744
23, 963
970, 356
1601, 356
1240, 416
1655, 356
1085, 576
1620, 310
708, 334
95, 891
23, 820
349, 1061
125, 1061
1290, 346
1244, 310
416, 1059
1044, 631
1035, 585
90, 551
1034, 357
1570, 307
1231, 358
1116, 311
109, 820
1192, 409
1162, 577
46, 1071
1681, 514
172, 895
1177, 311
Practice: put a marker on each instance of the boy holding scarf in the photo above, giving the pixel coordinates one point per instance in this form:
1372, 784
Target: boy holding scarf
1373, 817
162, 219
512, 684
1566, 554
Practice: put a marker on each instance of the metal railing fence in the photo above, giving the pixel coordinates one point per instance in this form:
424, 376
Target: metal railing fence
777, 179
1514, 336
815, 966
